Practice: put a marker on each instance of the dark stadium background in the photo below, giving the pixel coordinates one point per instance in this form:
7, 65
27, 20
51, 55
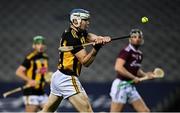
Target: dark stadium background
21, 20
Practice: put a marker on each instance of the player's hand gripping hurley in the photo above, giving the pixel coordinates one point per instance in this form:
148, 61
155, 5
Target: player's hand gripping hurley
47, 78
158, 73
69, 48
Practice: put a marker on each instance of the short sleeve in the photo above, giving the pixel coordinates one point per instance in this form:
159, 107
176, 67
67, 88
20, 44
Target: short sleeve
123, 54
85, 33
71, 41
26, 63
76, 49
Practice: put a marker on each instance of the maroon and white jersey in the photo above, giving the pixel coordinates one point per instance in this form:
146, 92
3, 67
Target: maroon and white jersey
133, 59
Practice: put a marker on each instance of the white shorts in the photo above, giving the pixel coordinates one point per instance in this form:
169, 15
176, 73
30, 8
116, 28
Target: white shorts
124, 94
35, 99
65, 85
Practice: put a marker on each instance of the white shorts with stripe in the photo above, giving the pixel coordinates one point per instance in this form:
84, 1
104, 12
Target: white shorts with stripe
35, 99
65, 85
123, 94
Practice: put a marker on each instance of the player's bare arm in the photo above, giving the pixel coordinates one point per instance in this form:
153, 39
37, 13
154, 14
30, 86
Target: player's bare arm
86, 58
98, 39
119, 67
20, 72
141, 73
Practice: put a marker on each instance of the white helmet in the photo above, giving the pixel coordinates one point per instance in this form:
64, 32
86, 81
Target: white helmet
78, 15
136, 32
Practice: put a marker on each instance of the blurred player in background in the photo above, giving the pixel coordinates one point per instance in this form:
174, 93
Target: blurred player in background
128, 67
32, 71
65, 83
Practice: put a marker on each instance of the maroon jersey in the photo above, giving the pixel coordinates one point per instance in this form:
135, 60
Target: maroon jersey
133, 59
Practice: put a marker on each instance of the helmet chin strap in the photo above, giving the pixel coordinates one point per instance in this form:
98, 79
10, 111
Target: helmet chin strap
76, 22
77, 27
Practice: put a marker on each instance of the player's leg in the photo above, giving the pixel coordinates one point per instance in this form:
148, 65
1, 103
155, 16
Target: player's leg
118, 96
81, 102
55, 96
136, 101
31, 108
31, 103
52, 103
43, 100
116, 107
140, 106
71, 89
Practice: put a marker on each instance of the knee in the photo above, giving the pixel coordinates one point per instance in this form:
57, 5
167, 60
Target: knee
87, 108
146, 110
49, 108
46, 108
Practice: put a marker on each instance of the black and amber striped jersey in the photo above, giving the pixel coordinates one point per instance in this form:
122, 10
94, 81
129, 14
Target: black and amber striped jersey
36, 68
68, 63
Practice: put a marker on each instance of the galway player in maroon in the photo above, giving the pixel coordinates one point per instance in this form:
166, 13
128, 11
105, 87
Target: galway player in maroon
128, 67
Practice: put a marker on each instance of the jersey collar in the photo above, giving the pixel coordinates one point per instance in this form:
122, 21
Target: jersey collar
132, 47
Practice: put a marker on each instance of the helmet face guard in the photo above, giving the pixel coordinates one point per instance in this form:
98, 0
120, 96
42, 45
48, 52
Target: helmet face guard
137, 32
78, 15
